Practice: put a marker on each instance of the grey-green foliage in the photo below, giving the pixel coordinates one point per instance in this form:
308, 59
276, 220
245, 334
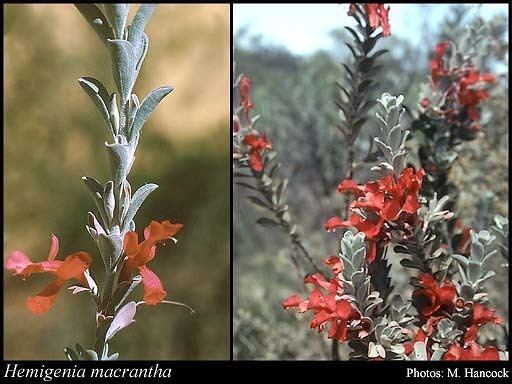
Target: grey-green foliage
392, 136
500, 230
355, 278
399, 310
389, 339
474, 270
124, 116
446, 333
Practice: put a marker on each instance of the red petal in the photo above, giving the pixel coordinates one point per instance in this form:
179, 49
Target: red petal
319, 319
130, 243
154, 292
349, 185
318, 280
156, 231
336, 222
344, 309
489, 353
250, 139
341, 334
44, 300
292, 301
335, 263
391, 209
447, 294
19, 264
411, 204
256, 163
316, 299
74, 266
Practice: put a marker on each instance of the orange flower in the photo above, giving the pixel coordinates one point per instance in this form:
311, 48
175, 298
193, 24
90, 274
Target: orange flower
258, 145
72, 267
139, 254
244, 89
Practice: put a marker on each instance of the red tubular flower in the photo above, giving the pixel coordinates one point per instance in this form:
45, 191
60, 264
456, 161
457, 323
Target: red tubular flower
257, 144
71, 268
378, 17
244, 89
470, 91
432, 297
139, 254
471, 352
481, 315
328, 307
437, 63
384, 200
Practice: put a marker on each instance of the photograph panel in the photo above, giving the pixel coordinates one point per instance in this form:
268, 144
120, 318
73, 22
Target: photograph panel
370, 200
116, 223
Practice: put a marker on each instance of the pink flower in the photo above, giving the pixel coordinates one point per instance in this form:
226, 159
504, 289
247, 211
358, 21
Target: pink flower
71, 268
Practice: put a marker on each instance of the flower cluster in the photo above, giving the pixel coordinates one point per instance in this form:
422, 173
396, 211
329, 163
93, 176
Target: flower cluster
462, 87
436, 303
244, 89
73, 267
249, 143
377, 15
139, 254
327, 302
381, 206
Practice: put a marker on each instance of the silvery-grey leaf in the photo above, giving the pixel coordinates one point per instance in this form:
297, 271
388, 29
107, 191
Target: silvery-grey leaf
126, 195
266, 222
399, 161
124, 290
94, 223
134, 107
438, 354
91, 282
385, 149
113, 356
96, 191
70, 354
114, 114
91, 355
92, 232
123, 67
485, 277
420, 351
138, 198
98, 94
139, 22
111, 247
121, 159
147, 106
117, 14
395, 136
76, 289
109, 200
124, 318
142, 51
97, 20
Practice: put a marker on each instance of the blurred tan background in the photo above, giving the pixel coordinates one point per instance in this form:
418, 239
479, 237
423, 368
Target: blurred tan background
54, 135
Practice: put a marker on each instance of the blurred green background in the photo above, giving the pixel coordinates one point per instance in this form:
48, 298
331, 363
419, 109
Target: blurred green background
294, 94
54, 135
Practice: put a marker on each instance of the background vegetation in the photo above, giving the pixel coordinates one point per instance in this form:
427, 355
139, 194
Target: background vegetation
295, 97
53, 136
